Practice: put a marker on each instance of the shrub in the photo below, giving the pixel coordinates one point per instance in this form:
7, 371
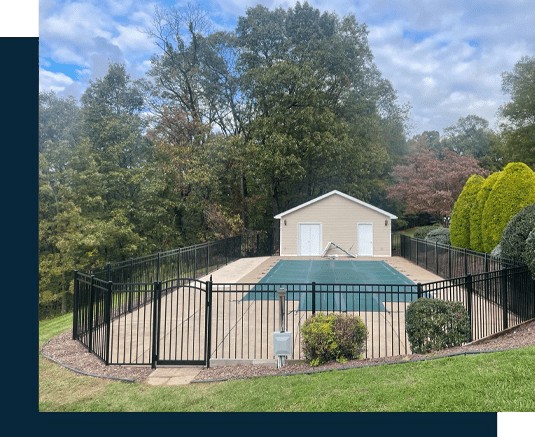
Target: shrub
476, 212
333, 337
514, 189
529, 252
516, 233
439, 235
424, 230
460, 216
434, 324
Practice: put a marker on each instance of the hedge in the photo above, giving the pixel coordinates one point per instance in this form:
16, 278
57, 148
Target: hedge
514, 189
439, 235
460, 216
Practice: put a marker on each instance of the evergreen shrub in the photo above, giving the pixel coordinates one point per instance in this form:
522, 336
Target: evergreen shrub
514, 189
439, 235
515, 234
333, 337
460, 216
476, 212
434, 324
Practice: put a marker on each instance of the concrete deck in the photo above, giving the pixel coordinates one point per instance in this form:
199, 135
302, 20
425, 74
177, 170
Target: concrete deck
252, 270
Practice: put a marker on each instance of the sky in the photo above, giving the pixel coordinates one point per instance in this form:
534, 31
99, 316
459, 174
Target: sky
445, 58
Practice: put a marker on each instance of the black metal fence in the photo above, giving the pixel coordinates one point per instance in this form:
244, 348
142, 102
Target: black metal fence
147, 311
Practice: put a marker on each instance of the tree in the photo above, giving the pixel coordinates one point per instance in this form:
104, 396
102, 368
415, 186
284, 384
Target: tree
469, 136
322, 115
427, 184
460, 216
477, 227
514, 189
519, 114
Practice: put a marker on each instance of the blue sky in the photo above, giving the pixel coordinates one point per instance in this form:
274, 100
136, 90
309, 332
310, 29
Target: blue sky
444, 57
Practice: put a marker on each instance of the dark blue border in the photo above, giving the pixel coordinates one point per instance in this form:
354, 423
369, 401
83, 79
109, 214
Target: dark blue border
21, 384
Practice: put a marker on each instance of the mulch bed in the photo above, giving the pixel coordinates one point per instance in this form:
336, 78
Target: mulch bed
74, 356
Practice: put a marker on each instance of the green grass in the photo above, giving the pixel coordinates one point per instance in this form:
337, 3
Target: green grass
500, 381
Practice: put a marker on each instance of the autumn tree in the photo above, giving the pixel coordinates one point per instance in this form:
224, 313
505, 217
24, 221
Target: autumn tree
427, 184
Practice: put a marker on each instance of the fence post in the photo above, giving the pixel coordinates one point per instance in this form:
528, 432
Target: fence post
469, 285
91, 303
426, 246
108, 270
417, 253
158, 268
419, 289
465, 262
75, 306
313, 298
130, 277
436, 257
208, 324
504, 300
157, 291
195, 262
107, 320
449, 262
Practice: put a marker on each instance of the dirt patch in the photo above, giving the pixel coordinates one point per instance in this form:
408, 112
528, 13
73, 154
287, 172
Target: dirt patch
74, 356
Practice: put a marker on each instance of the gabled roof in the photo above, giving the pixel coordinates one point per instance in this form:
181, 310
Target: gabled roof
345, 196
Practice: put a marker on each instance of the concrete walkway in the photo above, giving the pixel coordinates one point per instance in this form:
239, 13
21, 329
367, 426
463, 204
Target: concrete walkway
251, 270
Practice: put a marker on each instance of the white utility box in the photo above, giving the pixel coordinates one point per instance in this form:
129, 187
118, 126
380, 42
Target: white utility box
283, 343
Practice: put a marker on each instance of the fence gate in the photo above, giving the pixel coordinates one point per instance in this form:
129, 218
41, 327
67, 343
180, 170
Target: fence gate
184, 314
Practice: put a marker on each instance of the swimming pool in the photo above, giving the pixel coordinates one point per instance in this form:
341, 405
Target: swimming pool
335, 285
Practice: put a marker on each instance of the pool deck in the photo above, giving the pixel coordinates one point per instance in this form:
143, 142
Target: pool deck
252, 270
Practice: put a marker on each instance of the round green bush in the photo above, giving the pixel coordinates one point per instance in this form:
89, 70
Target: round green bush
460, 216
333, 337
434, 324
476, 212
515, 234
439, 235
514, 189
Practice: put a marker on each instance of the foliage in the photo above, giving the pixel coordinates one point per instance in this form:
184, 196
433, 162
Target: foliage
519, 114
434, 324
429, 184
476, 212
529, 252
469, 136
514, 189
422, 231
331, 337
440, 235
460, 216
515, 234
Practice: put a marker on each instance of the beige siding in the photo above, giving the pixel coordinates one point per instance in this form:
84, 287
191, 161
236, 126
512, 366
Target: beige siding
339, 218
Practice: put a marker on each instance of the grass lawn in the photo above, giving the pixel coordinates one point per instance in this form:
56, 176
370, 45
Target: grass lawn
501, 381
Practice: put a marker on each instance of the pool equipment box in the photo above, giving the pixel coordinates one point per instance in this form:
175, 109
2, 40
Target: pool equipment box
283, 343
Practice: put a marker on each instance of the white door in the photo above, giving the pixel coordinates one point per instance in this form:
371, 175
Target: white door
310, 239
365, 239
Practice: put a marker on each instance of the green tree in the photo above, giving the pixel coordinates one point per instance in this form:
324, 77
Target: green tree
514, 189
460, 216
469, 136
519, 114
476, 213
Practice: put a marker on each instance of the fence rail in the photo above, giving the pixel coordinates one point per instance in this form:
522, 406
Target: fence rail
154, 315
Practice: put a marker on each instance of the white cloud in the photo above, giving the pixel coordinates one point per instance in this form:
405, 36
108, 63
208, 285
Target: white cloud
57, 82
